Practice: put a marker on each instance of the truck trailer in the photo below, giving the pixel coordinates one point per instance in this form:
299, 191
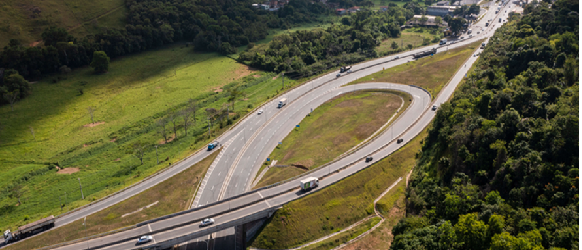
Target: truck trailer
309, 183
29, 229
345, 69
282, 103
213, 145
425, 53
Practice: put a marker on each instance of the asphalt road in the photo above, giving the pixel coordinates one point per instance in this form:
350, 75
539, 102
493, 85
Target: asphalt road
255, 137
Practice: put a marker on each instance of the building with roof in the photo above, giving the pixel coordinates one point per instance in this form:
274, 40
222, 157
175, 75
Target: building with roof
440, 10
354, 9
340, 11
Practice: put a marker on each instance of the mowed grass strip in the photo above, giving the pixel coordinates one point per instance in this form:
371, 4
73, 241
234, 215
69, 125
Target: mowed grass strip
431, 72
344, 237
330, 130
393, 208
170, 196
337, 206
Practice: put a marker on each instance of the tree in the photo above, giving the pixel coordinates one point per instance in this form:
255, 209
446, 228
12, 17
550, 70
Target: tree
570, 73
409, 46
233, 94
423, 20
227, 49
12, 97
456, 24
162, 129
90, 110
17, 191
100, 62
191, 108
173, 118
54, 35
471, 231
438, 20
14, 82
394, 45
186, 115
139, 150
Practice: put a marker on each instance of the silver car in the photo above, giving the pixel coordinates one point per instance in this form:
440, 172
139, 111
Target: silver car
144, 239
206, 222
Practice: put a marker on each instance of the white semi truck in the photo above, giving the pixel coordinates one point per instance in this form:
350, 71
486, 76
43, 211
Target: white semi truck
282, 103
29, 229
309, 183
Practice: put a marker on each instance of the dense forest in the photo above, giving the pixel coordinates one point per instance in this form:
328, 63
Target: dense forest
499, 168
306, 53
213, 25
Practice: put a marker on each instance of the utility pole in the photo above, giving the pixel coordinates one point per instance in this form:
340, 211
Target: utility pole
157, 158
85, 224
283, 79
208, 127
81, 187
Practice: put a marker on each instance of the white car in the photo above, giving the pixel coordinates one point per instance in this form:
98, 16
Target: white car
260, 112
144, 239
206, 222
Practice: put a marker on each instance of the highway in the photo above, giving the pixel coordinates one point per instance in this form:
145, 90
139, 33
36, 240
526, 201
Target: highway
249, 143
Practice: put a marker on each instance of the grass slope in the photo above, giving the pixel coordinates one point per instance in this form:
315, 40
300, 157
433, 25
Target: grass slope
173, 195
393, 207
431, 73
355, 117
338, 206
412, 36
344, 236
18, 20
137, 91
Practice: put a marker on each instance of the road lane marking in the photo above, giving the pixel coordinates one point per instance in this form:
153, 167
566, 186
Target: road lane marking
267, 203
260, 195
150, 227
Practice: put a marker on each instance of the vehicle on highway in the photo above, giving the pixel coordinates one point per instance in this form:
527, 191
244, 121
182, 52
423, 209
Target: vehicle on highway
483, 45
29, 229
309, 183
478, 32
260, 112
283, 102
213, 145
206, 222
462, 37
443, 41
369, 159
397, 57
338, 75
499, 19
144, 239
399, 140
425, 53
434, 107
345, 69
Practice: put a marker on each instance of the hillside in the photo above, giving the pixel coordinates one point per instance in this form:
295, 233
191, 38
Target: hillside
25, 20
499, 168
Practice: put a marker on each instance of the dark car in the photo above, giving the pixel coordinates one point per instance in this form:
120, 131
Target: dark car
434, 108
399, 140
369, 159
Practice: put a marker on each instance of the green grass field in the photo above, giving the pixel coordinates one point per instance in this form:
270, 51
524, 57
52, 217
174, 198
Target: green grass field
170, 196
137, 91
355, 117
338, 206
344, 237
19, 21
412, 36
431, 73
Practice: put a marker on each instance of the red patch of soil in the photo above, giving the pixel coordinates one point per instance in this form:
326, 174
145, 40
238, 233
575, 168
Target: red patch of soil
90, 125
162, 141
68, 170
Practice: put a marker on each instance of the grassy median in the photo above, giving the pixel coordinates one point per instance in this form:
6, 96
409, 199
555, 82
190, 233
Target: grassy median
338, 206
172, 195
431, 72
353, 117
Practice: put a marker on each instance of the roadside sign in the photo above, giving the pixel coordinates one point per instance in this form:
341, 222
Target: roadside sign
297, 126
280, 143
268, 159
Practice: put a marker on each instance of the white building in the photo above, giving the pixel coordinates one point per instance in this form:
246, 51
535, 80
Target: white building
440, 10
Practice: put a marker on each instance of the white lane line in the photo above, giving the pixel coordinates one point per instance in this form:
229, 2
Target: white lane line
212, 188
150, 228
219, 173
154, 240
267, 203
260, 195
236, 185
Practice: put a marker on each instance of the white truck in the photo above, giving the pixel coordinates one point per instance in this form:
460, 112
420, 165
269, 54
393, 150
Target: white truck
282, 103
29, 229
309, 183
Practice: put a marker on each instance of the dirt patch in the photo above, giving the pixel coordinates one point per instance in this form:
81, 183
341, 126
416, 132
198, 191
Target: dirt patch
113, 140
90, 125
305, 164
341, 139
288, 155
170, 139
243, 71
34, 44
118, 159
216, 90
158, 87
363, 131
68, 170
349, 103
256, 76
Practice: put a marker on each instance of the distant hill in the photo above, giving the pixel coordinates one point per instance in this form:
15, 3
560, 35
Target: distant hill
27, 19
